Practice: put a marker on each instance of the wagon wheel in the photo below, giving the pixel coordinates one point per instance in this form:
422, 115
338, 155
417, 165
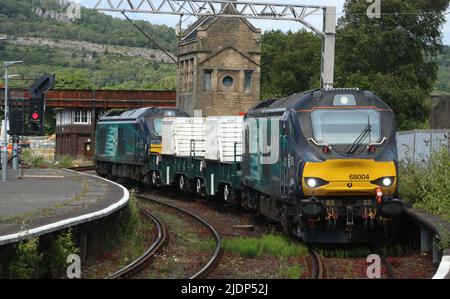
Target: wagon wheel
226, 192
199, 186
154, 178
181, 183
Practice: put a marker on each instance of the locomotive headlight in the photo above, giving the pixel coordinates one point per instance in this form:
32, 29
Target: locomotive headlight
315, 182
311, 182
387, 182
344, 100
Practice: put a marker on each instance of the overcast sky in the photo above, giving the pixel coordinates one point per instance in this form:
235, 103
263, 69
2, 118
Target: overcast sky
316, 20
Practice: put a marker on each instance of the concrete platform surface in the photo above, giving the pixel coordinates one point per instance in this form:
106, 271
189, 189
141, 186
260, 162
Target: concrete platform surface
40, 201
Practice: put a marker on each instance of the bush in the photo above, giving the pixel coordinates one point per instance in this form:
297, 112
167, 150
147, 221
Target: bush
38, 162
55, 259
25, 262
427, 185
64, 162
129, 218
26, 156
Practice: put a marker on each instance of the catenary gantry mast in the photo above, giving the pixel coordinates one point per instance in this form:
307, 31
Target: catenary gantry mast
242, 9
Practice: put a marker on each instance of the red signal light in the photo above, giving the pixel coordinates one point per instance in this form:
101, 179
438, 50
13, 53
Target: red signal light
35, 116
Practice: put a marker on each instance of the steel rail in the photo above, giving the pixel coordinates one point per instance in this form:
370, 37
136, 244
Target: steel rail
215, 258
134, 267
388, 266
317, 266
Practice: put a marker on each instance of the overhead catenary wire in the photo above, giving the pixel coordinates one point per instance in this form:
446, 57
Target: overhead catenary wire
150, 39
384, 13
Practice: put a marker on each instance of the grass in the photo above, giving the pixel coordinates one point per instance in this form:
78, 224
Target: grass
291, 272
345, 253
269, 244
396, 250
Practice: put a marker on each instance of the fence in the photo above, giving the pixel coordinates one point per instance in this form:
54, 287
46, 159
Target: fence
419, 145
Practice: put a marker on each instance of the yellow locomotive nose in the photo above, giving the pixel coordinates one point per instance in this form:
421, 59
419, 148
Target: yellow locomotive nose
348, 177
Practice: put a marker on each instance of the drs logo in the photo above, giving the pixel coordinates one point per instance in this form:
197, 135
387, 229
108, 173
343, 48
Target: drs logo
359, 177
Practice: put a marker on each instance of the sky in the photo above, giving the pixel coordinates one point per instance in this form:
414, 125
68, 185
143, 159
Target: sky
316, 20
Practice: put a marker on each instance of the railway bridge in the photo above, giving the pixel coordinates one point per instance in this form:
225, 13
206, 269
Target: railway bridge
76, 112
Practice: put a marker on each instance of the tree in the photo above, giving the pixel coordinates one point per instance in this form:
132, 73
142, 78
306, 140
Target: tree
75, 80
49, 122
290, 63
394, 56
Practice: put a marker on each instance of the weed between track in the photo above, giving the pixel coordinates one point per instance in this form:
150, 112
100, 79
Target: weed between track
397, 250
270, 244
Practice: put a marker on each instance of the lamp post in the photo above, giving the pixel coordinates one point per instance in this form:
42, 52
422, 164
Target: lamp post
15, 145
7, 65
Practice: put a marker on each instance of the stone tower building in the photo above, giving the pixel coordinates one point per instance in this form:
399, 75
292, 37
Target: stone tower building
219, 66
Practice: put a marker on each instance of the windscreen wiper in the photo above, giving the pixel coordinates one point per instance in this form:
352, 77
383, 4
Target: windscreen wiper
359, 139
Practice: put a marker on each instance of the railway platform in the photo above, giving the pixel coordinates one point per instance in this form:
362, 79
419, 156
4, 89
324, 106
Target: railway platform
36, 202
434, 234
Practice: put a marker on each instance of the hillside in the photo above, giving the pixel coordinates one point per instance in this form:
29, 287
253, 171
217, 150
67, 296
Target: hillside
99, 51
19, 18
95, 51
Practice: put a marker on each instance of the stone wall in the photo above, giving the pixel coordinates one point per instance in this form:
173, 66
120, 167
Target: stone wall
223, 47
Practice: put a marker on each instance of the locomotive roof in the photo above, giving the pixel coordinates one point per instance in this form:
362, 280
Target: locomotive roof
315, 98
146, 112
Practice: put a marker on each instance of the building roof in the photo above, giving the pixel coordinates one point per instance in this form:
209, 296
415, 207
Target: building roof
191, 31
136, 114
206, 21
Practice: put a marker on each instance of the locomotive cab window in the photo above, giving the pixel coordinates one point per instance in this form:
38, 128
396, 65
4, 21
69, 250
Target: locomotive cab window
344, 126
157, 126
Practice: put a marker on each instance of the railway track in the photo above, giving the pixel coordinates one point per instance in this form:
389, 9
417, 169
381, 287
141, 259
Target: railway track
388, 266
317, 269
137, 265
217, 254
316, 264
